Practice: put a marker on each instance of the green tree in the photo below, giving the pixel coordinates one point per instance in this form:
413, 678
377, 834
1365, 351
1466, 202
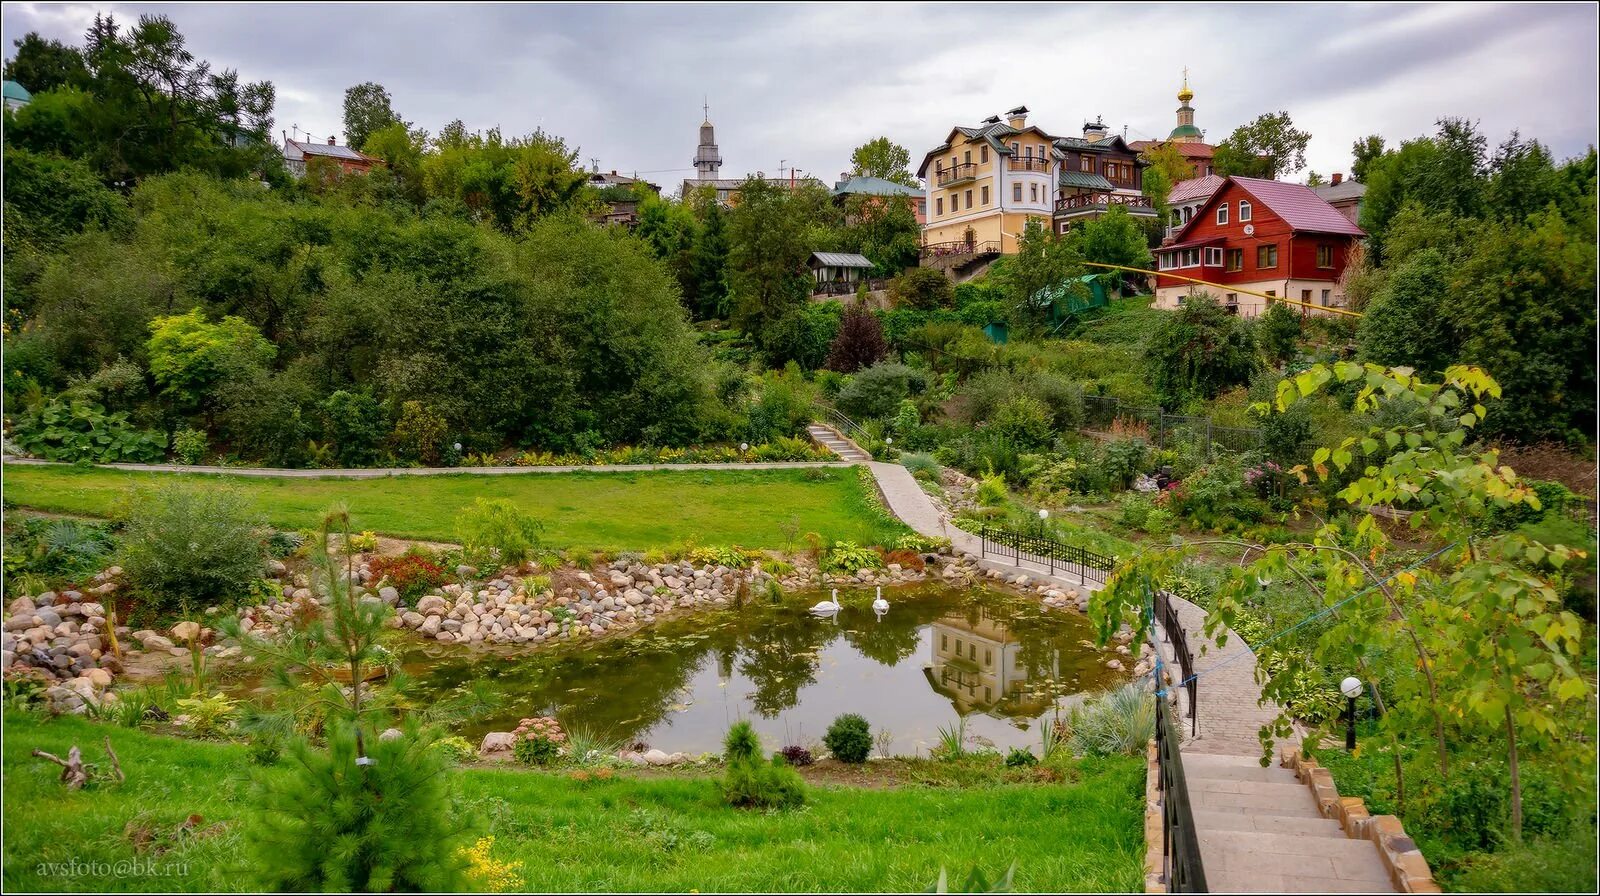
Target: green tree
1407, 323
770, 238
885, 230
40, 65
922, 289
1363, 153
1198, 352
509, 183
367, 110
671, 231
708, 266
1168, 159
1113, 238
1043, 262
1269, 147
190, 358
881, 157
1443, 173
402, 149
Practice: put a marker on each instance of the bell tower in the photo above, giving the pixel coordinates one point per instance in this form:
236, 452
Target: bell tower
707, 161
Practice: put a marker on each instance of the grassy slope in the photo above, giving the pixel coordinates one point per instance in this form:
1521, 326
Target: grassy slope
599, 836
609, 511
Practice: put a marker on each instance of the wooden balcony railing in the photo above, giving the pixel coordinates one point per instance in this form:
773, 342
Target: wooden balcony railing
1084, 201
955, 174
960, 247
1029, 163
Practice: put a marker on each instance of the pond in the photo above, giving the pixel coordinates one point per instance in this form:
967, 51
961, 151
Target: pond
939, 652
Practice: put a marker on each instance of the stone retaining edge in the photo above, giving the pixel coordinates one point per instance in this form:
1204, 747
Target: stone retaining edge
1153, 859
1407, 867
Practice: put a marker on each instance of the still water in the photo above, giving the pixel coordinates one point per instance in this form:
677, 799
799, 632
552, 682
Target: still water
938, 653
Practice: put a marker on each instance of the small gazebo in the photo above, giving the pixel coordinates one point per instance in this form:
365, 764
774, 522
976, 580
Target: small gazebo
838, 271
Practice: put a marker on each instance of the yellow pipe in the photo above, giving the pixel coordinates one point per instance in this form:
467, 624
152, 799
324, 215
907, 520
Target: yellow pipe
1284, 299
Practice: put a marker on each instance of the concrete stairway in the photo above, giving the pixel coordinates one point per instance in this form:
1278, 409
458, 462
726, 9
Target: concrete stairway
1260, 831
830, 439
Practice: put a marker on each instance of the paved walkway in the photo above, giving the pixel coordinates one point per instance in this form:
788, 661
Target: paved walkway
1260, 829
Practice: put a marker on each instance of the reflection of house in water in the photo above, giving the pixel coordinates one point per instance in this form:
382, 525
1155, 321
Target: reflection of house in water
979, 666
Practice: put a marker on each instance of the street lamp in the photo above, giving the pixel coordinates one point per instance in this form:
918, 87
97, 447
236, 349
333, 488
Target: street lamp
1044, 514
743, 447
1351, 688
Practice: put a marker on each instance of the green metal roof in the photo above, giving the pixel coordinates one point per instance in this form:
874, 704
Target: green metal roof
874, 186
15, 91
1184, 130
1085, 180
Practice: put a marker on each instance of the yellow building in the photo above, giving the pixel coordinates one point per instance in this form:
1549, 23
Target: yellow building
985, 183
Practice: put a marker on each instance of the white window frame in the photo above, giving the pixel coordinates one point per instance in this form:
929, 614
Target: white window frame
1222, 213
1245, 210
1213, 257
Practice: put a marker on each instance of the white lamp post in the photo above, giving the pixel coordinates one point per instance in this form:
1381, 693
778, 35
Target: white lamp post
1351, 689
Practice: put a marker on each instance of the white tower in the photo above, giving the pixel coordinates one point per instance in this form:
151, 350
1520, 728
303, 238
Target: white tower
707, 161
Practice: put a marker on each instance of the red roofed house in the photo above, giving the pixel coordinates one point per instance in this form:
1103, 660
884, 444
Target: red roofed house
1186, 198
296, 153
1189, 139
1259, 235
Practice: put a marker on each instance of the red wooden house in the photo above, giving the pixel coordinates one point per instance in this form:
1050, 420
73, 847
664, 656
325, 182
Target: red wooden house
1264, 236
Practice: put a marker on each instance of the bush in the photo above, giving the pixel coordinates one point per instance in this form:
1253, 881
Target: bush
922, 466
1021, 757
848, 557
923, 289
354, 422
187, 547
859, 342
63, 549
992, 490
750, 782
457, 749
1023, 420
419, 434
878, 390
796, 755
536, 750
83, 431
1118, 723
189, 446
1135, 510
265, 749
378, 815
493, 530
413, 574
1197, 352
849, 738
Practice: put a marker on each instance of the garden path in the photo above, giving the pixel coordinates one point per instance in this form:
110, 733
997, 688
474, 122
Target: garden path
1260, 829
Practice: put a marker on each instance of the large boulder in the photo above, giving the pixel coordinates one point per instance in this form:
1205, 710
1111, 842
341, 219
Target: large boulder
432, 605
496, 743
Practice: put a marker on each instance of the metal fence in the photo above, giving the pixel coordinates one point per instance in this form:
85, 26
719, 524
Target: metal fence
1181, 868
846, 427
1167, 616
1055, 556
1164, 430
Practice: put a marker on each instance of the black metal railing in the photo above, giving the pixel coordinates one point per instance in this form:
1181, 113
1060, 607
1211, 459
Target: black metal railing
1181, 868
846, 427
847, 287
1167, 617
1056, 556
1163, 430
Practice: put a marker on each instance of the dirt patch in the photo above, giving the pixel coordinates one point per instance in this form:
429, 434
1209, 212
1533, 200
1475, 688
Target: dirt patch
1554, 462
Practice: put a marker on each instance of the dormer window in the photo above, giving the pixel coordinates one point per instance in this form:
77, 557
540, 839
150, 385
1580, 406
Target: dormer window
1244, 210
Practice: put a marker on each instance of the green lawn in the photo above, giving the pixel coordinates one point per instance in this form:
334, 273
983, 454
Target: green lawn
605, 511
629, 833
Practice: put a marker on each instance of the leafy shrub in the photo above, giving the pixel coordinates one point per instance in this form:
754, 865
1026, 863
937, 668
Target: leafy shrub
1023, 420
878, 390
419, 434
83, 431
378, 814
992, 490
859, 342
923, 289
56, 549
796, 755
1160, 522
922, 466
1135, 509
457, 748
751, 782
189, 446
355, 424
188, 547
1122, 459
364, 542
494, 530
208, 716
536, 750
413, 574
849, 738
733, 557
488, 874
906, 418
1021, 757
282, 544
847, 556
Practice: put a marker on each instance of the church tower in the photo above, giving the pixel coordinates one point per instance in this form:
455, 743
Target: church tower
707, 161
1185, 132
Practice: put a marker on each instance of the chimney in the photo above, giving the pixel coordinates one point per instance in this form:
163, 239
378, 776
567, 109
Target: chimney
613, 172
1338, 178
1094, 131
330, 140
1018, 117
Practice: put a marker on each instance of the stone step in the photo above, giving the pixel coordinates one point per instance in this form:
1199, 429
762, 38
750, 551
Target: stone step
1219, 820
1200, 766
1234, 881
1292, 801
1218, 759
1317, 860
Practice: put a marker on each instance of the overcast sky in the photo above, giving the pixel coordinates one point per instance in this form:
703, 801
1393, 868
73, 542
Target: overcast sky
794, 84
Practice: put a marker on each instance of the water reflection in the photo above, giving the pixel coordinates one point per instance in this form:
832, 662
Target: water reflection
938, 652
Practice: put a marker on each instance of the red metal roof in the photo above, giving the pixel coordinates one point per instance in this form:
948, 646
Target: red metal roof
1192, 243
1299, 206
1194, 188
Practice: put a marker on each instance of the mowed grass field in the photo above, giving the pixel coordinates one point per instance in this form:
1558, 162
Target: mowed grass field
630, 833
603, 511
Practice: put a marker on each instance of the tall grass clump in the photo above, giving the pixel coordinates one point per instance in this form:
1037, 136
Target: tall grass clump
187, 547
1119, 723
753, 782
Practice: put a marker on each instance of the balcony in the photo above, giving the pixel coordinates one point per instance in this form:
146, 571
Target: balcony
1029, 163
960, 247
955, 174
1084, 203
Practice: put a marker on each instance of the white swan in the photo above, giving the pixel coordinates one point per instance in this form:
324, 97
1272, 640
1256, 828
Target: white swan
828, 606
880, 606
